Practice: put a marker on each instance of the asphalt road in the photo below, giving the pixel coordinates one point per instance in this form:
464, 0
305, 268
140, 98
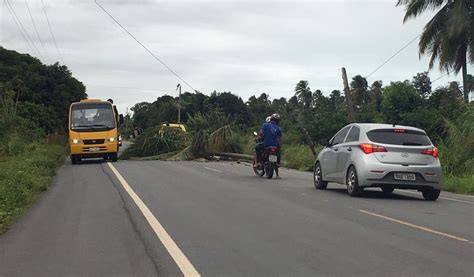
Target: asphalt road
224, 221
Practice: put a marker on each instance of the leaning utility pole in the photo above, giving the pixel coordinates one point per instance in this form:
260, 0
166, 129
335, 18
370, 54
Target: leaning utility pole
179, 102
347, 93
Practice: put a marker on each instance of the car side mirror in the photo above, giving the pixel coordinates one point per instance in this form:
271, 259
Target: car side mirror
324, 142
121, 118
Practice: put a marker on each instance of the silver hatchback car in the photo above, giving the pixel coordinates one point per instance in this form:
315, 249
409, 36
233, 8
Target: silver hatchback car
391, 157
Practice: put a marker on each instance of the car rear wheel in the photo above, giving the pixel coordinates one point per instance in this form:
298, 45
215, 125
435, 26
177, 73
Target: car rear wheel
431, 194
388, 190
352, 183
319, 183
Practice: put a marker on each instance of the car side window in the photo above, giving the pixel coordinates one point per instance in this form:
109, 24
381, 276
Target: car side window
353, 134
339, 138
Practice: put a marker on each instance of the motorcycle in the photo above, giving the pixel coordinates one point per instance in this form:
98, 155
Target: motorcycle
269, 163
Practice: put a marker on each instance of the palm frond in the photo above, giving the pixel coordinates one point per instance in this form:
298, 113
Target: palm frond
221, 140
185, 155
416, 7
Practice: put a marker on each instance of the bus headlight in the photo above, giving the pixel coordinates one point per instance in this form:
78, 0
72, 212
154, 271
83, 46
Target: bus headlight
111, 139
76, 141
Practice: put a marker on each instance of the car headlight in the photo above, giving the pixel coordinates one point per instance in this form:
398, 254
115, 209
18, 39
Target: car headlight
111, 139
76, 141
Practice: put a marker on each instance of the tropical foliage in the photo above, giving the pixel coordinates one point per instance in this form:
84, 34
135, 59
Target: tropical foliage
448, 36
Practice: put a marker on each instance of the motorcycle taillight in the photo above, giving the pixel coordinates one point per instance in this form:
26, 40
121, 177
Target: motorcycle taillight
273, 150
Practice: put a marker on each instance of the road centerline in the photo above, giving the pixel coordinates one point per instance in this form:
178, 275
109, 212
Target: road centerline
415, 226
212, 169
178, 256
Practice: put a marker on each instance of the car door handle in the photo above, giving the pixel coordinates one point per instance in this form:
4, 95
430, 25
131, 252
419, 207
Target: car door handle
335, 149
349, 149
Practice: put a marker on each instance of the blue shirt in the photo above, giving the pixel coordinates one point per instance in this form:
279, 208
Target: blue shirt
271, 133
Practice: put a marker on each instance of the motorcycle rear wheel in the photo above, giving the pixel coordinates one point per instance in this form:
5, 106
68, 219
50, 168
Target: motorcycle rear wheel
269, 168
258, 171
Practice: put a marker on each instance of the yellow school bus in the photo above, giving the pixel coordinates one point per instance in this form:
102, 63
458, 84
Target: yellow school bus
93, 130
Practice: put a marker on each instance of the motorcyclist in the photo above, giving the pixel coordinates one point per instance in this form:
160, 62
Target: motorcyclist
272, 136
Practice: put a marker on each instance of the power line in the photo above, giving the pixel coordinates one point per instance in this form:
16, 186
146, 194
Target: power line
144, 47
51, 32
393, 56
23, 30
437, 79
36, 31
18, 26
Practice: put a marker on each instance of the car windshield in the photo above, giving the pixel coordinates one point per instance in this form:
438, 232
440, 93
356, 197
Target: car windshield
90, 117
399, 137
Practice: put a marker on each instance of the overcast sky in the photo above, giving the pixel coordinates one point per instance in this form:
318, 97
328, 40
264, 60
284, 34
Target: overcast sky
246, 47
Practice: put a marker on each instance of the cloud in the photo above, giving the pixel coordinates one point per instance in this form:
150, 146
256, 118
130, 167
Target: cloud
246, 47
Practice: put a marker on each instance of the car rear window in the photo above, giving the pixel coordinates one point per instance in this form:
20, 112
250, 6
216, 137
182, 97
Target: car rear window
399, 137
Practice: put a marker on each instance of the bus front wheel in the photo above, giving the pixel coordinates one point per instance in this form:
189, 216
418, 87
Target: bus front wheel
75, 159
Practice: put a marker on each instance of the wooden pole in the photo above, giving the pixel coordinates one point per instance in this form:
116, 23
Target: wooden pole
179, 104
347, 93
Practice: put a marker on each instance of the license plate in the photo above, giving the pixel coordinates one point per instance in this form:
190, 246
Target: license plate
405, 176
272, 158
94, 149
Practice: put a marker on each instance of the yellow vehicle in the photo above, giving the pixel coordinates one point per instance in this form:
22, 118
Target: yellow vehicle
93, 130
165, 126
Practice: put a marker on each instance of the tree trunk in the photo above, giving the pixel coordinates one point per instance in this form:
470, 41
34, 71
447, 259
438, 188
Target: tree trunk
465, 82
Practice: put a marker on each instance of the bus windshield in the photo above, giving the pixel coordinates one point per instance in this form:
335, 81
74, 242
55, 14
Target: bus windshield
92, 117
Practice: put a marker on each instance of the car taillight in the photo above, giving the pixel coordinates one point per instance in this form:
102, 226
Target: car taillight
431, 151
399, 130
371, 148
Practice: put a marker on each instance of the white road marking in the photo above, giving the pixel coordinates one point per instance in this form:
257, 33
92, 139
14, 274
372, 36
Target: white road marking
441, 197
183, 263
415, 226
212, 169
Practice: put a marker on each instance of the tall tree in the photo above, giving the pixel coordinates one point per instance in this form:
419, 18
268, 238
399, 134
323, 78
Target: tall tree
448, 36
359, 92
422, 83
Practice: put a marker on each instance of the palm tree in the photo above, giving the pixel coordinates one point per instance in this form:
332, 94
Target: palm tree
448, 36
304, 94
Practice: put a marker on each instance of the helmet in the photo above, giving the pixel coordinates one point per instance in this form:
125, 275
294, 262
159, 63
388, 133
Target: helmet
268, 119
275, 117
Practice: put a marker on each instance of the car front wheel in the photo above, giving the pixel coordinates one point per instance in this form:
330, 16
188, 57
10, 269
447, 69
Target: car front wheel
352, 183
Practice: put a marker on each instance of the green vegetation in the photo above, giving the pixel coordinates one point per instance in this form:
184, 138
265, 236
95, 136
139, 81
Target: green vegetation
34, 103
25, 174
441, 112
463, 184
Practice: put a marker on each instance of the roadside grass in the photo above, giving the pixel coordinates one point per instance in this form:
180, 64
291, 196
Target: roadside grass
297, 156
459, 184
25, 175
